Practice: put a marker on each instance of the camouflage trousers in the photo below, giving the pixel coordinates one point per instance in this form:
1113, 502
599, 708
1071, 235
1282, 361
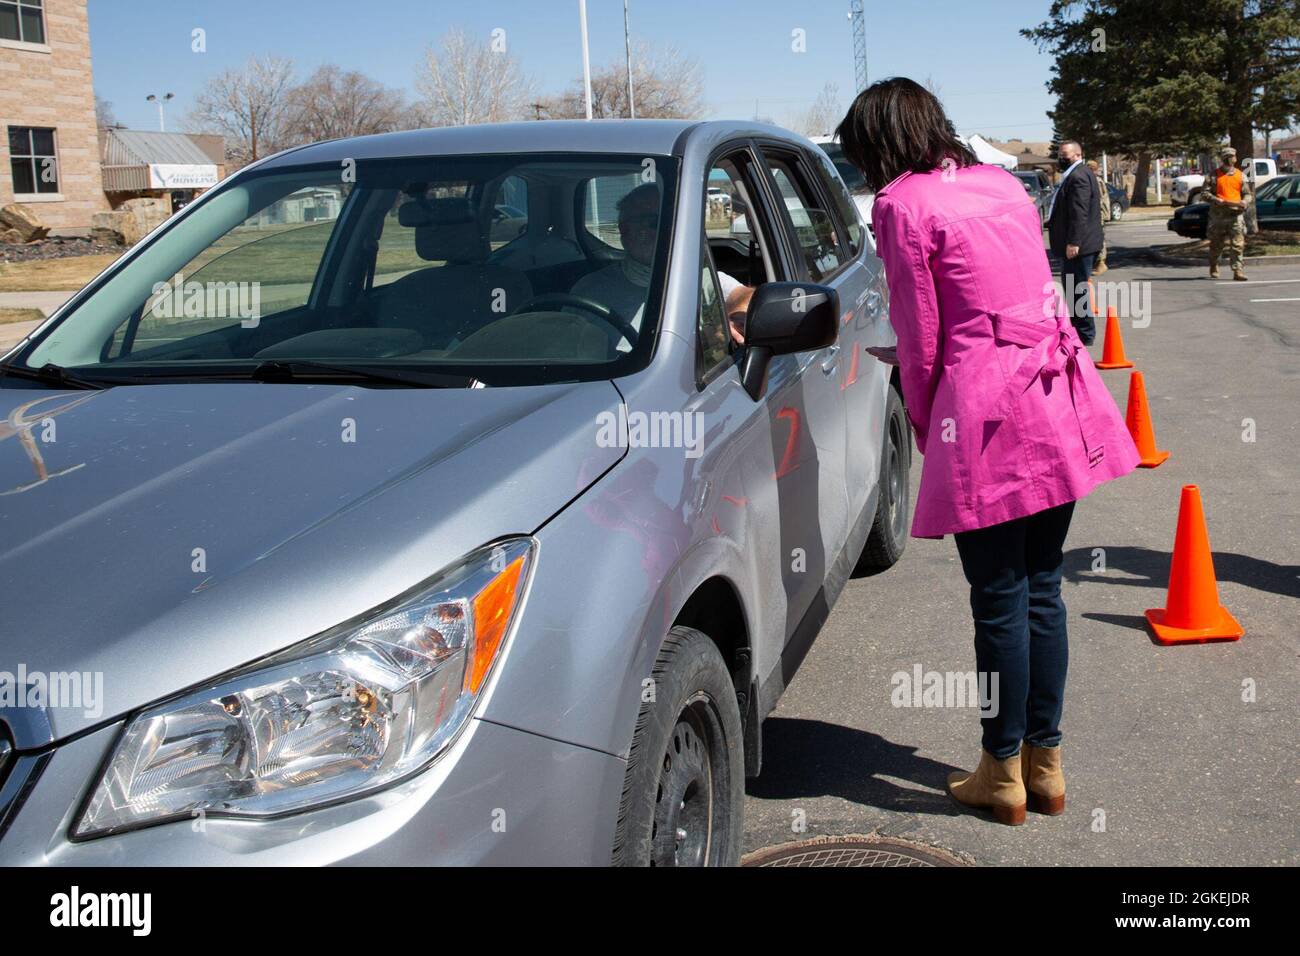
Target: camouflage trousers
1230, 232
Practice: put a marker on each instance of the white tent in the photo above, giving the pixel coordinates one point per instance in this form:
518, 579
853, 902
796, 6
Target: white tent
986, 152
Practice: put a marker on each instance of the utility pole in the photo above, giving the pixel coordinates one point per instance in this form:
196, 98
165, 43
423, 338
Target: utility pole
586, 57
857, 18
627, 46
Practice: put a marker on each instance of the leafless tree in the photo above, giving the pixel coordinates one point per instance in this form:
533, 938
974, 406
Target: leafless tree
665, 84
463, 82
247, 106
104, 115
824, 114
334, 103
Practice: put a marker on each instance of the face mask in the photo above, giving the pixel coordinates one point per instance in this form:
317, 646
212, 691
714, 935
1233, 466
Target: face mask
1064, 163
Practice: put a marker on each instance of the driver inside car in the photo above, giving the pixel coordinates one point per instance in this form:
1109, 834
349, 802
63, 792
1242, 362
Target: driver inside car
624, 285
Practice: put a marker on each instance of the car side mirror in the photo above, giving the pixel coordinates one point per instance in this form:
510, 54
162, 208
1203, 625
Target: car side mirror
784, 318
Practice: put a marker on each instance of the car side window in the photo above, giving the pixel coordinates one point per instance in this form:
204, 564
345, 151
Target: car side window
714, 338
509, 212
816, 238
844, 207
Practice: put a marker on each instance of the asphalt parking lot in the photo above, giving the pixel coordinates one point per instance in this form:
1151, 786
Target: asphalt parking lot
1168, 758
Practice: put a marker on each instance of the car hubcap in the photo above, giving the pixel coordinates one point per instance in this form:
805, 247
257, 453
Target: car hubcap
895, 484
685, 804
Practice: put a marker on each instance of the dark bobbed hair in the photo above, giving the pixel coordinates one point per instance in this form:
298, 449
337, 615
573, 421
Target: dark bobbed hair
895, 126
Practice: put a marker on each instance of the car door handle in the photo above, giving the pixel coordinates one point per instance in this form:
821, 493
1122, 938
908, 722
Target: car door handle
831, 362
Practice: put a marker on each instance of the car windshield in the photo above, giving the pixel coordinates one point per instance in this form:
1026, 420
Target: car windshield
1272, 186
496, 269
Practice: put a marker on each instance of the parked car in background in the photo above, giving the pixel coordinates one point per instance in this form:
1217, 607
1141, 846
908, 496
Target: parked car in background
1186, 189
449, 551
1277, 206
1119, 202
1039, 188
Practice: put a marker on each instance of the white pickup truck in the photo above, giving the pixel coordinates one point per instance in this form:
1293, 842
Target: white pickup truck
1186, 189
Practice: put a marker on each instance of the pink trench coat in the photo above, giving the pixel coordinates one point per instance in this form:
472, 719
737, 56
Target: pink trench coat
1009, 410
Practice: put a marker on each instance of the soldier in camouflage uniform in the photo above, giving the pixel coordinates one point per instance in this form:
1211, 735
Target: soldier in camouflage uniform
1228, 192
1100, 265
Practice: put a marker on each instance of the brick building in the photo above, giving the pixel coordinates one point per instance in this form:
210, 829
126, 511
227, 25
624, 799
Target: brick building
49, 155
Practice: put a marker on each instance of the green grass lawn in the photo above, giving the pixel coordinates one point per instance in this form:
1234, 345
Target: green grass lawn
20, 315
1271, 242
52, 275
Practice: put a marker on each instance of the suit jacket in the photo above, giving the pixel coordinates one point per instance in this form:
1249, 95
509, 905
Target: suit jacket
1009, 411
1076, 214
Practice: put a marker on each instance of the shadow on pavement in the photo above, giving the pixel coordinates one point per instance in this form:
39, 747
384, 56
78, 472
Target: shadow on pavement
1135, 622
1148, 567
810, 758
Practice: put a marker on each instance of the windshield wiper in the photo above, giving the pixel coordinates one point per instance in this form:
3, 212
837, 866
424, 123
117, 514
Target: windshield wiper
307, 370
50, 374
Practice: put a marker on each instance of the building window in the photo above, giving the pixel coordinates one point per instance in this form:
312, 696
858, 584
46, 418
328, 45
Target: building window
32, 161
22, 20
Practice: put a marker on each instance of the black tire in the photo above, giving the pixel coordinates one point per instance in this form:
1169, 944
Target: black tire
683, 796
1116, 212
888, 535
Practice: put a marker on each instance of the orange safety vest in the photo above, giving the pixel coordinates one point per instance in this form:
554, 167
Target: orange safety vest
1228, 185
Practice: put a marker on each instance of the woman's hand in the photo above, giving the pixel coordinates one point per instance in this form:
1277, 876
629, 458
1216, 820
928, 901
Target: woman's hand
887, 355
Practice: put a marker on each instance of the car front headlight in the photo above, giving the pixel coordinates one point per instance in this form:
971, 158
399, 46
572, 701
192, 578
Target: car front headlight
357, 708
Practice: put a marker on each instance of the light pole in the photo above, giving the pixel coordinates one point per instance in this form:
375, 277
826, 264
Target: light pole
627, 46
586, 58
151, 98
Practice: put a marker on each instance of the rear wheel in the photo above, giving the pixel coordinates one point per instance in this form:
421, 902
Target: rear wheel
683, 796
889, 532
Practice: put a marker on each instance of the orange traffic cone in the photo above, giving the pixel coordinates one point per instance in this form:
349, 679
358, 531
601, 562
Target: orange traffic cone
1112, 352
1192, 612
1139, 423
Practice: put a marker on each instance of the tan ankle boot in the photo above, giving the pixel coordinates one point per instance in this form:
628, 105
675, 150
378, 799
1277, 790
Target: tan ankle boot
995, 785
1040, 768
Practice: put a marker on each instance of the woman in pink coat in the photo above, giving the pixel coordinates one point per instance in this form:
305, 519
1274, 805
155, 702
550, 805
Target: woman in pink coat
1008, 410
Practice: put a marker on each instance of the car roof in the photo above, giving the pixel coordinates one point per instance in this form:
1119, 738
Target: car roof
657, 137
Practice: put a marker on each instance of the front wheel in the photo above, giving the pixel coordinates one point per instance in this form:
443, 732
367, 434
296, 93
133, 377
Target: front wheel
889, 532
1116, 213
683, 796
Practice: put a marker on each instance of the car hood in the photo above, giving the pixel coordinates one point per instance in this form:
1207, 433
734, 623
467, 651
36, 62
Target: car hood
152, 537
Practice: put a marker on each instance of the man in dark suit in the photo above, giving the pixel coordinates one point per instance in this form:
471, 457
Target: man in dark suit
1074, 234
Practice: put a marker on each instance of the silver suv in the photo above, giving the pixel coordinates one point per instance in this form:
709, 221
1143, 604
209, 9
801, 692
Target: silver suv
451, 496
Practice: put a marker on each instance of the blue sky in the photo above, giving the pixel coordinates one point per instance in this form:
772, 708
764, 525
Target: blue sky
991, 79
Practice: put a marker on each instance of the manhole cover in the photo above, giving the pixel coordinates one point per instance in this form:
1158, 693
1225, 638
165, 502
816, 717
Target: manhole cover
850, 851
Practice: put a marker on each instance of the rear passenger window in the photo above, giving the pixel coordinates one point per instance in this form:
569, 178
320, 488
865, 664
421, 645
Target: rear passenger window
600, 201
814, 229
845, 208
509, 211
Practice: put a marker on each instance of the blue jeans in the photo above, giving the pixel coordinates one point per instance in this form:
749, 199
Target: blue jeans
1014, 570
1080, 303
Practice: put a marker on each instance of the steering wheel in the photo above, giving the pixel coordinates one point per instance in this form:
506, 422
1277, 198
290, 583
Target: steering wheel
550, 300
